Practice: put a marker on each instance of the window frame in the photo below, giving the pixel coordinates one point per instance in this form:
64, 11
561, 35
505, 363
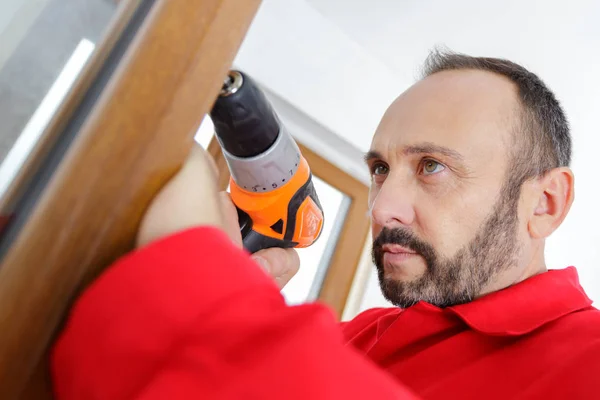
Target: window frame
135, 135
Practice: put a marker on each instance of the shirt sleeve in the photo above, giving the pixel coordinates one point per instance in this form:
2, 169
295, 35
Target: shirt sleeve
192, 316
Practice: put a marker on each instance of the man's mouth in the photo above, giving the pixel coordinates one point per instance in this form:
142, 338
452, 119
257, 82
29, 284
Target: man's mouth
396, 249
394, 253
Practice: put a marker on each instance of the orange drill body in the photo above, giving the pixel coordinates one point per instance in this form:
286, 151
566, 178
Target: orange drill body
271, 214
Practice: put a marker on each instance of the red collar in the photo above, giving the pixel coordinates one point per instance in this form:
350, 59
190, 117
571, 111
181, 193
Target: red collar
521, 308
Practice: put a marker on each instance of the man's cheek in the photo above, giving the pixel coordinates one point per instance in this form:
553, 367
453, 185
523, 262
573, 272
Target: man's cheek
447, 233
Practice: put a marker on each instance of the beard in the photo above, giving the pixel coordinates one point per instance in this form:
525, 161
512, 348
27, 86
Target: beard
459, 279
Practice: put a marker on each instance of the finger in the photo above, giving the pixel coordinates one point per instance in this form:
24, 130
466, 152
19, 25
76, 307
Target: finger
230, 217
281, 264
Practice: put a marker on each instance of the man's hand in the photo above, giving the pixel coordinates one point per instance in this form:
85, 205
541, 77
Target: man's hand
281, 264
191, 198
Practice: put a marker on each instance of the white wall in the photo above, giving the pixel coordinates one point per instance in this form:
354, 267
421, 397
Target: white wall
343, 61
301, 56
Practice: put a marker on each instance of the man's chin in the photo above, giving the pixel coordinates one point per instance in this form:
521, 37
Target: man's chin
398, 293
404, 268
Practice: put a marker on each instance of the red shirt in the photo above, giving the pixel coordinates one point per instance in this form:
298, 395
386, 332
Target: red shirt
537, 339
191, 316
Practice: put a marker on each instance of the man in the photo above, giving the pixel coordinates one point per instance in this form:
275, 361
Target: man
469, 176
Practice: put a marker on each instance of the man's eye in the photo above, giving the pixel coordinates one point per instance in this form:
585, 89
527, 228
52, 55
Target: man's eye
431, 167
379, 169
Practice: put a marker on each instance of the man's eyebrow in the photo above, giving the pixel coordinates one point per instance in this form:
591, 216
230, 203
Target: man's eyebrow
372, 155
431, 148
421, 148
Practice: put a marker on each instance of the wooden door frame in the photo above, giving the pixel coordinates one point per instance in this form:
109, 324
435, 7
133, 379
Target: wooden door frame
350, 244
135, 137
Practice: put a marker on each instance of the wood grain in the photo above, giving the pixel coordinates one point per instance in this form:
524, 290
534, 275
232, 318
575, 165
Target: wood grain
136, 138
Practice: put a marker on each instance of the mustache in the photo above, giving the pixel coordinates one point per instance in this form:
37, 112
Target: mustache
405, 238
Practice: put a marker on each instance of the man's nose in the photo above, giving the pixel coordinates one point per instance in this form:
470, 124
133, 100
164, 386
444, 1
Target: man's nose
393, 205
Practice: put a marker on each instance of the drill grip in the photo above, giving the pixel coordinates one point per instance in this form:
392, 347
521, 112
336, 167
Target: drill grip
283, 218
254, 241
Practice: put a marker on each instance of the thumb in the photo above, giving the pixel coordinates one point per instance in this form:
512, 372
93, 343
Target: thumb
280, 264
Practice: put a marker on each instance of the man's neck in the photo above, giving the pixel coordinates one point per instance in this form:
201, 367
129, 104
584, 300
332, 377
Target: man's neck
516, 274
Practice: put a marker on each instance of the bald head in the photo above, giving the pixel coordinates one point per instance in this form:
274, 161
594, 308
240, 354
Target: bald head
542, 139
448, 162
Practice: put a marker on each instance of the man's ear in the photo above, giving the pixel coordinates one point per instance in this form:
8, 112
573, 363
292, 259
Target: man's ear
555, 195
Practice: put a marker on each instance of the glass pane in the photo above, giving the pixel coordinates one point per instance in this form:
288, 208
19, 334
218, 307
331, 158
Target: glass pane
44, 45
314, 260
205, 132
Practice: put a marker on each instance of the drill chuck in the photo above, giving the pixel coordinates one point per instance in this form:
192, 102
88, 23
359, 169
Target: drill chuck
246, 124
261, 155
232, 83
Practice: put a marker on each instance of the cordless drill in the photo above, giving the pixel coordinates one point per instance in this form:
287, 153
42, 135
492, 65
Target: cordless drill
271, 183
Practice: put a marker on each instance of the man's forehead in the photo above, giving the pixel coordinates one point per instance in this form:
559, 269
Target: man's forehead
466, 110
